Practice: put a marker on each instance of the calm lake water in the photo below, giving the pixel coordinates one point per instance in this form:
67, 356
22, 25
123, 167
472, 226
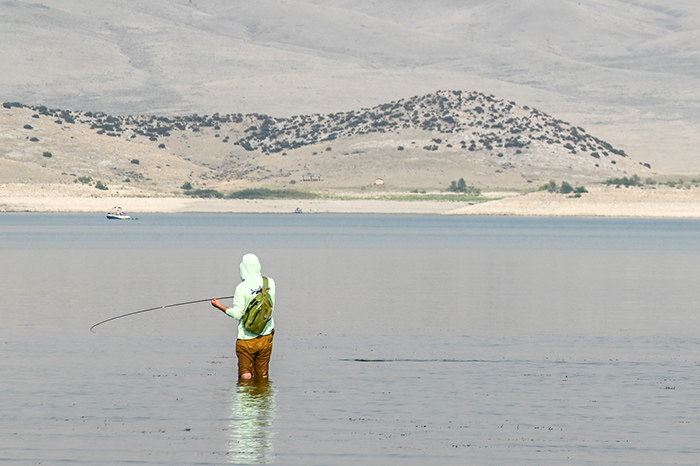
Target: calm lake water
405, 340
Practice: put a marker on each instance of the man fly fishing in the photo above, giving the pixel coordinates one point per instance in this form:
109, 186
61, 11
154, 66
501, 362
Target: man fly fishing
253, 302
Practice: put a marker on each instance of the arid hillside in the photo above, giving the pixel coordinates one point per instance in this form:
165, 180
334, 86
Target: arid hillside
418, 143
626, 71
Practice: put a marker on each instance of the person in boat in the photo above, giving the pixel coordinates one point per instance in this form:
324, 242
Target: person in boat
253, 350
116, 211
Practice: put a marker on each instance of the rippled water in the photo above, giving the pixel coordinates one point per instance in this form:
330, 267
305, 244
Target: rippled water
401, 340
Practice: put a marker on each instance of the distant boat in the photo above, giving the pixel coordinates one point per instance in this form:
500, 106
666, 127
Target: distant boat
118, 214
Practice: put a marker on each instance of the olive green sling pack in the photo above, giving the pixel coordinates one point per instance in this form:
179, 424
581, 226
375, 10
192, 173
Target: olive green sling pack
259, 311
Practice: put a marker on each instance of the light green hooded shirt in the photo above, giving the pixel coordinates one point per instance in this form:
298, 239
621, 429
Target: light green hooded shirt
252, 281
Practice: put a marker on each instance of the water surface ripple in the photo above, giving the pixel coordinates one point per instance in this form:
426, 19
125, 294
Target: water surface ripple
405, 340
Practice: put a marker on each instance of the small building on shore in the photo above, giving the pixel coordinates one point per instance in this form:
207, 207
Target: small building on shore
310, 177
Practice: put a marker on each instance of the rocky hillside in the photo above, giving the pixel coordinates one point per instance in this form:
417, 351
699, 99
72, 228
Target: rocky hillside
422, 142
476, 121
627, 71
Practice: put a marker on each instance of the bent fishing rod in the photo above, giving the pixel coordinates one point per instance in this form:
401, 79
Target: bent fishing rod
153, 309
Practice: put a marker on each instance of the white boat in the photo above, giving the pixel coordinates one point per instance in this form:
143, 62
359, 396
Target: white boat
112, 216
117, 214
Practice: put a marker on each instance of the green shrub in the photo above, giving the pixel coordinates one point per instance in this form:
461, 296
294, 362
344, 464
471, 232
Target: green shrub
566, 188
48, 154
551, 187
84, 180
264, 193
135, 161
460, 186
205, 193
187, 186
634, 180
246, 145
101, 186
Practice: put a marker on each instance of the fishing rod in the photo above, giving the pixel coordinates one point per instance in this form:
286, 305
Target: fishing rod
153, 309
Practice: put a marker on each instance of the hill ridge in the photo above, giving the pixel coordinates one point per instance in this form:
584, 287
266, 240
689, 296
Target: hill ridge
467, 131
443, 111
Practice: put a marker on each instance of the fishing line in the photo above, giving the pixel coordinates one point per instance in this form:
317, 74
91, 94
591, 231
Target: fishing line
153, 309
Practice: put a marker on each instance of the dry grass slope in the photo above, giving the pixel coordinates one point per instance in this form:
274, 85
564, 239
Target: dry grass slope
626, 71
418, 143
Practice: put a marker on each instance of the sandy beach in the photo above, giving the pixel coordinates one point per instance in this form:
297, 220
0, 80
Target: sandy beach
182, 205
658, 202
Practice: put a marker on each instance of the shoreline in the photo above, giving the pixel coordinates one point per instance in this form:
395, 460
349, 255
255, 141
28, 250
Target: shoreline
663, 202
185, 205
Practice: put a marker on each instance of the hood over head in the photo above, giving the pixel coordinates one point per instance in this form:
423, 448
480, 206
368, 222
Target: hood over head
250, 266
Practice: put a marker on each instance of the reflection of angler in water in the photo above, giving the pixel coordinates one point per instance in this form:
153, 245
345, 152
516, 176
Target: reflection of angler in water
252, 415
